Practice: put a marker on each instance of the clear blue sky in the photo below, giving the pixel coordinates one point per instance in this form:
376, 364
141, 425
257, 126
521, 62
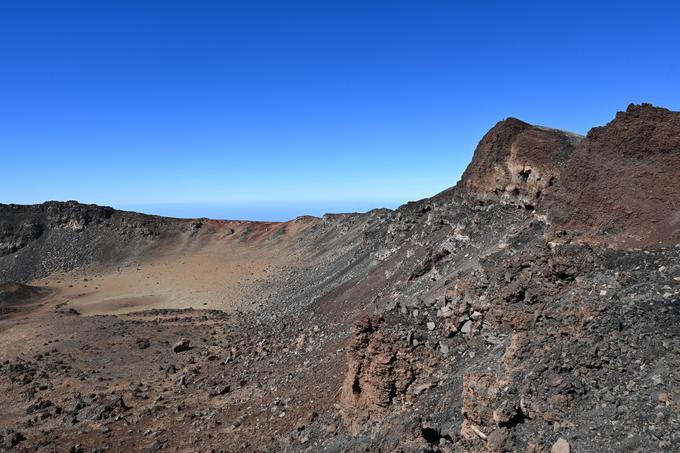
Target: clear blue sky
289, 106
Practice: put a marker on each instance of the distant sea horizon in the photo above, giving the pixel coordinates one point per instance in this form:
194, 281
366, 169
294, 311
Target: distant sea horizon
257, 211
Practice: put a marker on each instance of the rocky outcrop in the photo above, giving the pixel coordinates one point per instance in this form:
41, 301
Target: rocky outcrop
621, 187
39, 240
517, 162
377, 374
21, 225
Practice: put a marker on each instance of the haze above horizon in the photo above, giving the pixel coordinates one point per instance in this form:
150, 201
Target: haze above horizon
278, 109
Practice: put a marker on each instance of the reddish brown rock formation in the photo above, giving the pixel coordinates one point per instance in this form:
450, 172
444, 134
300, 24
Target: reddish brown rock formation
516, 162
622, 183
376, 373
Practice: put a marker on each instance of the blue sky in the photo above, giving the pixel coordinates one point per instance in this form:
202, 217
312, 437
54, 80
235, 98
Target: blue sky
274, 109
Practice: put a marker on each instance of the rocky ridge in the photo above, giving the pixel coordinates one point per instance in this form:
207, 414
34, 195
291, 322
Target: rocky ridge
496, 316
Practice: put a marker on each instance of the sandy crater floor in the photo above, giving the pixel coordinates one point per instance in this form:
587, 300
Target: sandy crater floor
212, 273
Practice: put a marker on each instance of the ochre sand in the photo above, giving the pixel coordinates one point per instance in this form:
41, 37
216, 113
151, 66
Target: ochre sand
214, 270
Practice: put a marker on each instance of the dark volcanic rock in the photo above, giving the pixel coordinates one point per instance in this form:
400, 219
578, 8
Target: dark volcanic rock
10, 439
182, 345
39, 240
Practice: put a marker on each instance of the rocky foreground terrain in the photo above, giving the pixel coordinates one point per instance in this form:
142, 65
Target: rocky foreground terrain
534, 307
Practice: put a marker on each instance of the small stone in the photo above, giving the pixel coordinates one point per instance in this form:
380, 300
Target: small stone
451, 330
239, 421
533, 447
497, 441
182, 345
220, 390
445, 312
555, 380
467, 326
561, 446
331, 429
431, 325
421, 388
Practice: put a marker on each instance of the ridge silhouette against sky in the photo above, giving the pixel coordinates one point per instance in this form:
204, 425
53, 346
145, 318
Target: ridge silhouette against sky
288, 108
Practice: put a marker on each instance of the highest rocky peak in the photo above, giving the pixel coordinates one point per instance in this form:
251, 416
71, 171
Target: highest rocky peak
618, 186
517, 162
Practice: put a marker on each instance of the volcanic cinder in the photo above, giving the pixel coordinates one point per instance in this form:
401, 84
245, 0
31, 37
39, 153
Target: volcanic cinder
535, 306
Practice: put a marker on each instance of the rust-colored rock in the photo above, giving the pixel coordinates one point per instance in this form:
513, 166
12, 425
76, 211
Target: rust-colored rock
622, 184
376, 375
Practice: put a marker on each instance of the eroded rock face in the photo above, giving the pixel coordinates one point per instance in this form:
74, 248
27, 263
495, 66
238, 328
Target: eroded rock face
517, 162
16, 237
377, 374
38, 240
618, 186
622, 184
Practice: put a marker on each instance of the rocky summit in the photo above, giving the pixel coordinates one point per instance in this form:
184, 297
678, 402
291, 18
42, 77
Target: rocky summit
533, 307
